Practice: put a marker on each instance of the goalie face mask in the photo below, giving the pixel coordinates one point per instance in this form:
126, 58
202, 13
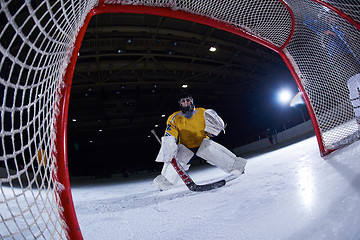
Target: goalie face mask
187, 106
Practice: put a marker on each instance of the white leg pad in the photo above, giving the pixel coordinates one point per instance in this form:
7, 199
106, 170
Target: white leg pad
221, 157
239, 166
183, 155
169, 177
170, 173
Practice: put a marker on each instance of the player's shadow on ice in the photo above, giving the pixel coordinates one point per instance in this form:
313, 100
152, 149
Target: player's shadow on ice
141, 200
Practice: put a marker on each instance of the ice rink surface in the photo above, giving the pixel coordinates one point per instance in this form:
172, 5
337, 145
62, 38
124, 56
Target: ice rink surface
290, 193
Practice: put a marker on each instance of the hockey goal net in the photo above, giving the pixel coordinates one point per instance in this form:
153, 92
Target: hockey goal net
317, 39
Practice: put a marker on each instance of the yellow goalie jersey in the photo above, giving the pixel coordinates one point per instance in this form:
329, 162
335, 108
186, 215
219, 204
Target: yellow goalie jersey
187, 131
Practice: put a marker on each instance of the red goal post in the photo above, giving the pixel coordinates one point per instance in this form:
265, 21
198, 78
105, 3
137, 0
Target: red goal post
39, 45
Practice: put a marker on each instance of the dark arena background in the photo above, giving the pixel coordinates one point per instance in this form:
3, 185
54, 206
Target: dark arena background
132, 69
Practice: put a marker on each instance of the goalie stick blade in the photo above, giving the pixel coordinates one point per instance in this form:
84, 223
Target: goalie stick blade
206, 187
190, 183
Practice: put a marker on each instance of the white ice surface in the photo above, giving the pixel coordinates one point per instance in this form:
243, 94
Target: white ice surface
290, 193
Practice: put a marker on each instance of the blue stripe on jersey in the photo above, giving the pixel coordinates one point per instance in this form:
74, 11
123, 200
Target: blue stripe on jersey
174, 117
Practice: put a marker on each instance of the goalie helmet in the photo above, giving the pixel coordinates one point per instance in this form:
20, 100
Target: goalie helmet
187, 106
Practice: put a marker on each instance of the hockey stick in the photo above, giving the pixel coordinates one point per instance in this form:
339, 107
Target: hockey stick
187, 179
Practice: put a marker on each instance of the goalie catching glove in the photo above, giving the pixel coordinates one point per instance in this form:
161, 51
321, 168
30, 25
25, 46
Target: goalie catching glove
213, 123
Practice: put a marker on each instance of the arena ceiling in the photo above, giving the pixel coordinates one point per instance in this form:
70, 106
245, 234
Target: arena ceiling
131, 68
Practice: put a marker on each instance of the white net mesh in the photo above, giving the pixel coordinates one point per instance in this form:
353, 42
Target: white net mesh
37, 39
324, 48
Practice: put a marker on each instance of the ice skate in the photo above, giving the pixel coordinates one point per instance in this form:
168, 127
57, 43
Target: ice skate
162, 183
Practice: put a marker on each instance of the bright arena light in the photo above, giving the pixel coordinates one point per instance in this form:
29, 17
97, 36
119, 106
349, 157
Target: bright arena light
212, 49
285, 96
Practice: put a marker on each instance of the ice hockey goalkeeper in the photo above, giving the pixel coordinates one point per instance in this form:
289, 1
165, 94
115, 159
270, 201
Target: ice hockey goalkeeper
187, 133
